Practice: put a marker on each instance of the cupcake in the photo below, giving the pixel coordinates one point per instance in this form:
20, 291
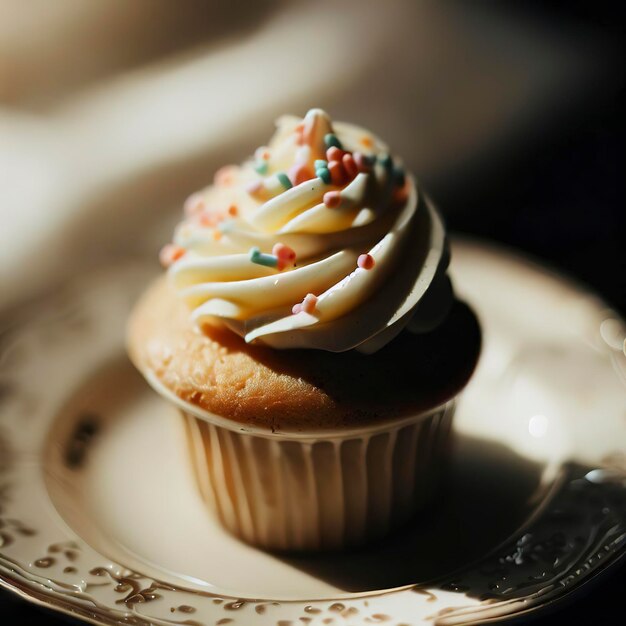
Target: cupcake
308, 332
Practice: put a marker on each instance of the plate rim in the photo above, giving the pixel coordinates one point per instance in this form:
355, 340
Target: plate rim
46, 600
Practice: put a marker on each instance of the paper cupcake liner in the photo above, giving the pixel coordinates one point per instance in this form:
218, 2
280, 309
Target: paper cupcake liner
284, 493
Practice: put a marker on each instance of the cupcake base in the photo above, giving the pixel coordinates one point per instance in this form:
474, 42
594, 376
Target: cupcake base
304, 493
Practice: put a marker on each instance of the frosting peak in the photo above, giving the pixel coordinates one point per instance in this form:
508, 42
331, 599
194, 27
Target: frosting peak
320, 241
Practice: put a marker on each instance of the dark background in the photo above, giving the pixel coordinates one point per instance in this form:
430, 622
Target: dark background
559, 196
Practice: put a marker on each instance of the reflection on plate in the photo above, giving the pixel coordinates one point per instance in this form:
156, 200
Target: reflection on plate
99, 516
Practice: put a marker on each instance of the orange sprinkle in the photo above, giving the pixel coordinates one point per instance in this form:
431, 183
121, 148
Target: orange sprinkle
262, 153
170, 253
233, 210
366, 141
217, 235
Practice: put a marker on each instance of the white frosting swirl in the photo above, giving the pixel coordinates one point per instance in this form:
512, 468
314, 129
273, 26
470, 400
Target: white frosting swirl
376, 211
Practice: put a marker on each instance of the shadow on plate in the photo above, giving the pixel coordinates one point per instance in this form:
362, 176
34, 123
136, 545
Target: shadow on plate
490, 493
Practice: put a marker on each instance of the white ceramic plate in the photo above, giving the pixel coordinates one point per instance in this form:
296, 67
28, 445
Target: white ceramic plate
99, 516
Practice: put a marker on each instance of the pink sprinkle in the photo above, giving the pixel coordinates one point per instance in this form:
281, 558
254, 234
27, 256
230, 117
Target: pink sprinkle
307, 305
334, 154
361, 162
300, 173
337, 173
309, 302
332, 199
208, 219
286, 255
349, 165
194, 204
254, 187
366, 261
309, 126
283, 252
170, 253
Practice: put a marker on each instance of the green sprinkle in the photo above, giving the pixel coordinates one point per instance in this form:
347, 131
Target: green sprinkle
319, 163
331, 140
283, 179
256, 256
261, 167
386, 161
324, 174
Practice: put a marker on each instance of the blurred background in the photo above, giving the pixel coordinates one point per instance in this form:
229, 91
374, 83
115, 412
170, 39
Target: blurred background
113, 112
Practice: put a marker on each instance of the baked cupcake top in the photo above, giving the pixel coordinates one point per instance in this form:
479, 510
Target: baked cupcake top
322, 241
290, 391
